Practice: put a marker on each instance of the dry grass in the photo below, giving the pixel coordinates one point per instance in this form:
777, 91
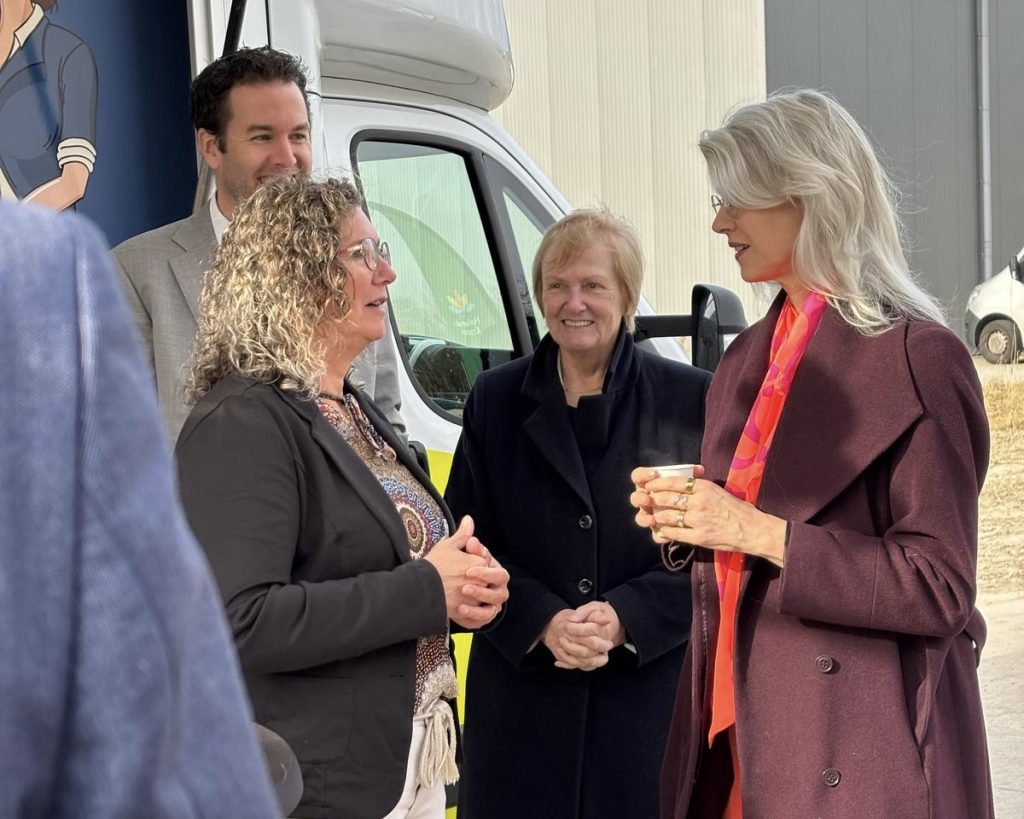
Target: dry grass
1003, 400
1001, 530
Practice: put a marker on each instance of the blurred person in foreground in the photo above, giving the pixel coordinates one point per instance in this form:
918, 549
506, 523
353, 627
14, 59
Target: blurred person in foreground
339, 563
833, 668
569, 694
120, 694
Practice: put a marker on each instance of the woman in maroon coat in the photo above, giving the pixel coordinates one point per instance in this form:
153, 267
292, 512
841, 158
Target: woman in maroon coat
832, 670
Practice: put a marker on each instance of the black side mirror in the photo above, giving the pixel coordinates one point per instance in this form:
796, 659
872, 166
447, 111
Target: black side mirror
1015, 267
717, 312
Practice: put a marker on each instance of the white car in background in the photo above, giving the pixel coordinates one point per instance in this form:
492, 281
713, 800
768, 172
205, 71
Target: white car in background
995, 314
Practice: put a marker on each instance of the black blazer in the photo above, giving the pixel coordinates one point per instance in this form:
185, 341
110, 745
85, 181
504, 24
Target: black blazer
323, 600
540, 741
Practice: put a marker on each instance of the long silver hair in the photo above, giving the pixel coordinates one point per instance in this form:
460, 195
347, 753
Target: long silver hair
804, 147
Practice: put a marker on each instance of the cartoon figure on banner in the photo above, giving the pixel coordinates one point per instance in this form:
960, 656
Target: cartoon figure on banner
48, 93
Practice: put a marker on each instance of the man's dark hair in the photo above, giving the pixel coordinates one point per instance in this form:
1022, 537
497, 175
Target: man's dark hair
208, 98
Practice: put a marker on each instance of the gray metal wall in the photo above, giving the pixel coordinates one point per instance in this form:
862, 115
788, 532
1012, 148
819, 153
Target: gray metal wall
1007, 46
906, 70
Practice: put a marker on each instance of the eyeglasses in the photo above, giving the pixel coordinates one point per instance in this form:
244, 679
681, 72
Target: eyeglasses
718, 204
369, 251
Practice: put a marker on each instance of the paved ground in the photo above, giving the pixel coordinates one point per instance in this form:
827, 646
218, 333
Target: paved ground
1002, 691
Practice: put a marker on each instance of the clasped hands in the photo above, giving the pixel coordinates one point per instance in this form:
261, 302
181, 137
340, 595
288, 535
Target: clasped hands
581, 638
475, 584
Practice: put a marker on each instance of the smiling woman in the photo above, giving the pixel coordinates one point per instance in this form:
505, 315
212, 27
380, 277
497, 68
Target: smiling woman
340, 566
592, 640
587, 275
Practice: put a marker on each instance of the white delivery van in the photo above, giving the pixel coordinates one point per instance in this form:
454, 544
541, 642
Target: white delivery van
995, 314
401, 91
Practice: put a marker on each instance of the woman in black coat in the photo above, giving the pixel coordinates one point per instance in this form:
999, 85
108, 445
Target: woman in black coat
339, 564
569, 694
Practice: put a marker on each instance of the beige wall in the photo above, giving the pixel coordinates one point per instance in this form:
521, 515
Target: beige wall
609, 99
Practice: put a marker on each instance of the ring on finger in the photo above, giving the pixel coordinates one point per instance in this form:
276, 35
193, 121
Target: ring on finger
681, 500
681, 520
690, 481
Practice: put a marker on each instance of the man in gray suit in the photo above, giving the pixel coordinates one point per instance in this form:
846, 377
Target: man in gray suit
252, 121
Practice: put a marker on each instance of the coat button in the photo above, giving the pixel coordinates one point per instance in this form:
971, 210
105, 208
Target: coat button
824, 663
831, 777
585, 586
586, 521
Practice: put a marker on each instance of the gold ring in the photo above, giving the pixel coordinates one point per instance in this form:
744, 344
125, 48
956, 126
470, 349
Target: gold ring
689, 485
681, 520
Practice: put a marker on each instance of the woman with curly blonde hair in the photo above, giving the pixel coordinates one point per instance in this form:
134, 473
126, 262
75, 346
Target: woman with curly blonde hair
335, 556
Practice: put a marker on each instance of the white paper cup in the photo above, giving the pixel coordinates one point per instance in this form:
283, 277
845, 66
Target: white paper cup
674, 471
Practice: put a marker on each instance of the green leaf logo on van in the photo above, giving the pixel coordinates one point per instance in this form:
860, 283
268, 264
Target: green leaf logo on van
460, 303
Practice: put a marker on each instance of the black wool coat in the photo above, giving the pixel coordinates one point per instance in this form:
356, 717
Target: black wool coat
542, 741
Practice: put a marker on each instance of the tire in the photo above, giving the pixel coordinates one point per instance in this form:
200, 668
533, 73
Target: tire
998, 342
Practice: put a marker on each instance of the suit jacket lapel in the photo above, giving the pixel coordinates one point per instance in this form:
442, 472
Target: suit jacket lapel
402, 450
197, 239
358, 475
551, 431
549, 426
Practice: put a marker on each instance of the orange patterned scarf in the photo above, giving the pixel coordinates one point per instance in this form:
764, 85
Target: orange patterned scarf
793, 333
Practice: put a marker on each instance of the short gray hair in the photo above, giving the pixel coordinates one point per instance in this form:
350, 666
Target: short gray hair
804, 147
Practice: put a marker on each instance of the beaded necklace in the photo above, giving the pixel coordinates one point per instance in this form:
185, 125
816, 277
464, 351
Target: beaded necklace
360, 425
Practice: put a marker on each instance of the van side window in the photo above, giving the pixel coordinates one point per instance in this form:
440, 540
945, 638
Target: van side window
527, 233
447, 301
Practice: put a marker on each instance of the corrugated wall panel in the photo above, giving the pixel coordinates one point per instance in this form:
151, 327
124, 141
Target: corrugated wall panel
624, 109
572, 107
530, 122
626, 90
734, 56
678, 248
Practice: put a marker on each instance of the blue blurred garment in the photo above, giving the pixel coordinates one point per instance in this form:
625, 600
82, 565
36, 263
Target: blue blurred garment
120, 694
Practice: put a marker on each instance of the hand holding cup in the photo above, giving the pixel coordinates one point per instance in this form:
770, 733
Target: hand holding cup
642, 499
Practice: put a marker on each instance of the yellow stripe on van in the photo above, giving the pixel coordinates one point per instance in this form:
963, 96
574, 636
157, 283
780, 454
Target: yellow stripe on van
440, 468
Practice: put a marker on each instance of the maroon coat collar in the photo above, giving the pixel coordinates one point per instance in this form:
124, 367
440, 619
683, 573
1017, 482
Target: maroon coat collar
842, 412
